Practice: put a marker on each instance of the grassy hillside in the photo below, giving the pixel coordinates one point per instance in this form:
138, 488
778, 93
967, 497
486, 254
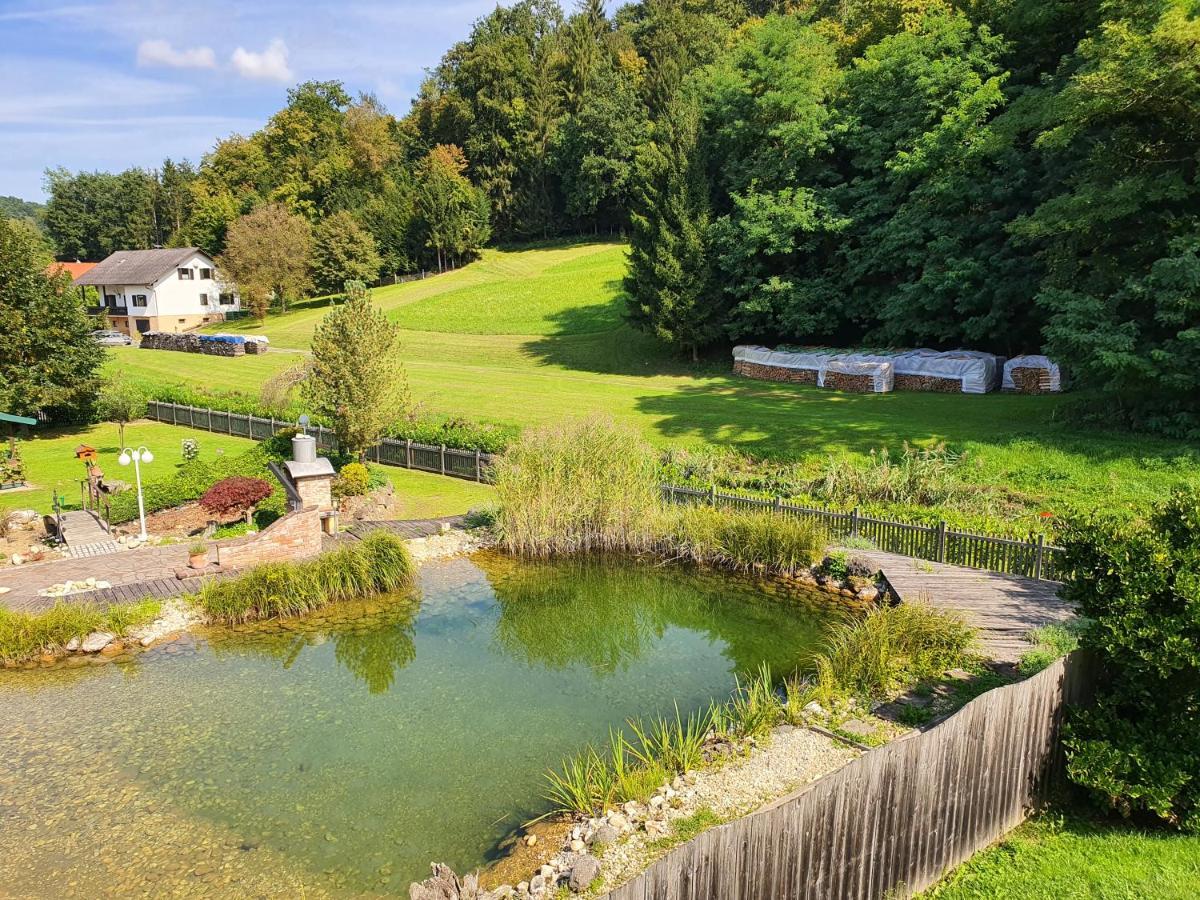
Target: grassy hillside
532, 335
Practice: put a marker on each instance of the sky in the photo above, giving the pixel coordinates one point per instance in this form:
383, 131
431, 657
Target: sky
113, 84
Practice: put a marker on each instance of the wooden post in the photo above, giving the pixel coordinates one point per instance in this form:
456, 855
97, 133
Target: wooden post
378, 447
174, 417
320, 434
209, 411
777, 504
671, 493
854, 522
229, 423
408, 453
272, 426
478, 466
712, 495
1039, 556
941, 541
443, 459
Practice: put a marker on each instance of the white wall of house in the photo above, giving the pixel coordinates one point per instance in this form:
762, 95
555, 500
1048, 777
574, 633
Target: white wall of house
176, 295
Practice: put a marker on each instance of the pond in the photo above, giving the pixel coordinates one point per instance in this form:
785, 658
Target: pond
339, 754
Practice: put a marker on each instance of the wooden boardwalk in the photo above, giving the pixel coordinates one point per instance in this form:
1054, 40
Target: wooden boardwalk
85, 535
1003, 607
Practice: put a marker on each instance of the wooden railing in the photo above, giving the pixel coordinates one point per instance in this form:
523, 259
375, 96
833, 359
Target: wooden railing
1032, 558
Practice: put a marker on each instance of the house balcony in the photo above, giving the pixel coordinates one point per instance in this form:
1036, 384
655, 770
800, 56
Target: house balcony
111, 310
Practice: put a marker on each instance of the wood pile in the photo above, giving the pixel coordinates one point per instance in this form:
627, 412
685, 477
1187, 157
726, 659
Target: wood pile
774, 373
1031, 381
259, 347
855, 384
928, 383
223, 348
166, 340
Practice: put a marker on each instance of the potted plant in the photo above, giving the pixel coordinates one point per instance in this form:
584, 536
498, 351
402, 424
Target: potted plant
198, 555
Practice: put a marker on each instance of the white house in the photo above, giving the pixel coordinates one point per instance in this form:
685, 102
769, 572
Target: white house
160, 290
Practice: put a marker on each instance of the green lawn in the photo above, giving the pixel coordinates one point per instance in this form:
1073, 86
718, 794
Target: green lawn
527, 336
1063, 857
421, 495
50, 463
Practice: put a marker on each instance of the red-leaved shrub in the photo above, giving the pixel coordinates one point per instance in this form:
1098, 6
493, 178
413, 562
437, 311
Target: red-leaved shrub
236, 494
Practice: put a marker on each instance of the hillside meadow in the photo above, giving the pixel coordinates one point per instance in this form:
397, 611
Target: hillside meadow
530, 335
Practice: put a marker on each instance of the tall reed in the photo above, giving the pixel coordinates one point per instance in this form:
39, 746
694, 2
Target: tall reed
581, 486
26, 635
377, 564
741, 540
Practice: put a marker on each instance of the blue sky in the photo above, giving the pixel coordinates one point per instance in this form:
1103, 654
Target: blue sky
108, 85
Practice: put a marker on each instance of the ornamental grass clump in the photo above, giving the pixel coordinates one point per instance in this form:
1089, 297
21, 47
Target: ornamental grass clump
743, 540
24, 636
890, 648
377, 564
584, 486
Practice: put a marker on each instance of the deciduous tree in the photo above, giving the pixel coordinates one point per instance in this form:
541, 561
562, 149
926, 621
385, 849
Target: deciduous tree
267, 254
343, 250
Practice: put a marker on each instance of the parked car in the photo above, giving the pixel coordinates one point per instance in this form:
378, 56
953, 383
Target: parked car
109, 338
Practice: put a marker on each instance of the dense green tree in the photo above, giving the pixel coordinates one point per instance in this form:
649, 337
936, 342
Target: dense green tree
1121, 234
670, 289
453, 213
50, 361
267, 256
342, 250
121, 400
357, 378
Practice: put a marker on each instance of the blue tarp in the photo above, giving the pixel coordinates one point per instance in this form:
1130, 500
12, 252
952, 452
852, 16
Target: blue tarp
222, 339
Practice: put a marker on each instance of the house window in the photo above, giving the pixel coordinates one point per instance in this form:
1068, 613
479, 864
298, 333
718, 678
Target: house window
204, 299
139, 299
185, 274
183, 321
110, 299
226, 299
206, 274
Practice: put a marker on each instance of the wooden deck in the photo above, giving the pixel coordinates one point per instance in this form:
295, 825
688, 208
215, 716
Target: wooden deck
1003, 607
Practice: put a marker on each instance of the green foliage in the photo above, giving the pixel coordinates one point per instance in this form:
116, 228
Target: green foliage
268, 254
581, 486
746, 541
1050, 643
918, 476
378, 564
890, 648
12, 466
1138, 582
353, 480
24, 635
342, 250
452, 214
121, 400
357, 379
462, 434
49, 360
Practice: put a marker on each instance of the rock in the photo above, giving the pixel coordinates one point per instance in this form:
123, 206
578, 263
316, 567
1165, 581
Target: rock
656, 801
96, 641
870, 592
21, 517
537, 885
523, 887
655, 828
632, 809
960, 675
781, 730
530, 840
605, 834
578, 846
619, 822
17, 559
814, 709
583, 873
858, 728
113, 649
547, 872
72, 645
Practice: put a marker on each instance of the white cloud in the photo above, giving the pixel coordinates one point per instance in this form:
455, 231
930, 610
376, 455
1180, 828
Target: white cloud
161, 53
270, 65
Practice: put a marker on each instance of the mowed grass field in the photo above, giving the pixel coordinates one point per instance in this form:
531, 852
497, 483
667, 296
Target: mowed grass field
1075, 857
533, 335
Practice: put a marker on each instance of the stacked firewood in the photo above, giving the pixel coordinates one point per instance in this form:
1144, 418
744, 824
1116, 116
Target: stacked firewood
774, 373
928, 383
166, 340
1031, 381
857, 384
223, 348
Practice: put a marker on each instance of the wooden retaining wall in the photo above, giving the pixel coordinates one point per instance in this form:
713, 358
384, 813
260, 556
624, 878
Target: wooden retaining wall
893, 821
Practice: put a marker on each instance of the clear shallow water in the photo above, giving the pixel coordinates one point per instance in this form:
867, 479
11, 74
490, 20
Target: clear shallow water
339, 754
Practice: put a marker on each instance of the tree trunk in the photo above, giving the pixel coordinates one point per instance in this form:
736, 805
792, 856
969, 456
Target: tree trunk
695, 353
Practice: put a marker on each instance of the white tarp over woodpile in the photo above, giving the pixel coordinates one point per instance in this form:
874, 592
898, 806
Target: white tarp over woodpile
1046, 378
969, 371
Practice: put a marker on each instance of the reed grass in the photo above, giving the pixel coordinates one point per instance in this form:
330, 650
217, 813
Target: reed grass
25, 636
377, 564
581, 486
746, 541
1050, 642
891, 647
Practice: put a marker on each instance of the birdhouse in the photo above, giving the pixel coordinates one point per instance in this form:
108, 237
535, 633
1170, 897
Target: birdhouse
84, 452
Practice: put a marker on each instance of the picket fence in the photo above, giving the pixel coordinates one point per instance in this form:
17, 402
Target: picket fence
1032, 558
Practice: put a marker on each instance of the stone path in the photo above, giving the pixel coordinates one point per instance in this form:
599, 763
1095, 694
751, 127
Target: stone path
1003, 607
86, 535
129, 567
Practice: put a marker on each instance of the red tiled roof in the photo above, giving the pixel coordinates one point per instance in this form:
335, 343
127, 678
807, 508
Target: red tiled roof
74, 269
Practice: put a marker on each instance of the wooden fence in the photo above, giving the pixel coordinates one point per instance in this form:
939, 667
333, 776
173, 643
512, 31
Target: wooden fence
893, 821
442, 460
939, 543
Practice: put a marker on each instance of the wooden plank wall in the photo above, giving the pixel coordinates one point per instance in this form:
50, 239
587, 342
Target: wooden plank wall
893, 821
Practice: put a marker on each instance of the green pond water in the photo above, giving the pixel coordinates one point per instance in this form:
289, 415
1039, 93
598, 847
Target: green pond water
339, 754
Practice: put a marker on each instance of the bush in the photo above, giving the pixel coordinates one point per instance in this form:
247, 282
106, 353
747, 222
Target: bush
377, 564
1050, 643
236, 494
582, 486
353, 481
741, 540
890, 648
25, 635
1138, 748
462, 434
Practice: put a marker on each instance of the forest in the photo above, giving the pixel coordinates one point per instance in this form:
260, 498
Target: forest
1006, 175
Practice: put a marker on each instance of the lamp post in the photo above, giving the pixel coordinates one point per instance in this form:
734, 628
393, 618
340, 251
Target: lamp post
140, 455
